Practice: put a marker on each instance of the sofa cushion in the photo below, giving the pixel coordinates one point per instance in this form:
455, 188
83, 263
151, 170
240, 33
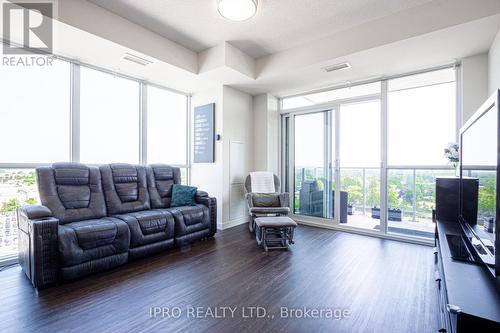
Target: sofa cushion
125, 188
161, 178
148, 226
189, 219
72, 191
88, 240
164, 179
183, 195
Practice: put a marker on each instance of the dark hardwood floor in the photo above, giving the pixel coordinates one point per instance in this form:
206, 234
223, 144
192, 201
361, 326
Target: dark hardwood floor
387, 286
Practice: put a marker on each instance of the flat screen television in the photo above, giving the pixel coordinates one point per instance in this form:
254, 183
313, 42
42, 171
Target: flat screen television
480, 158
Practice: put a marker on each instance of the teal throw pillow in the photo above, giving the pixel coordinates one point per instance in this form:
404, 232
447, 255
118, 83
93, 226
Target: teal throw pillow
183, 195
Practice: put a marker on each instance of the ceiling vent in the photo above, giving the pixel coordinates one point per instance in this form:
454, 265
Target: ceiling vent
136, 59
337, 67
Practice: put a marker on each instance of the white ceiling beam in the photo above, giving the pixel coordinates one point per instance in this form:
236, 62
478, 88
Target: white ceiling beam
96, 20
226, 64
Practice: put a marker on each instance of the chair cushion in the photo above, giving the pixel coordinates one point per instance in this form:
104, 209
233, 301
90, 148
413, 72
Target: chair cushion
183, 195
148, 226
269, 210
275, 221
266, 199
88, 240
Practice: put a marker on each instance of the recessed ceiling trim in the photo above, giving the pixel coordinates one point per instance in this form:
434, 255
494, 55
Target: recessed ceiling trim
454, 64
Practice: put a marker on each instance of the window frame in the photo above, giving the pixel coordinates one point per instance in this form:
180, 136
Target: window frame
142, 115
74, 111
288, 143
74, 126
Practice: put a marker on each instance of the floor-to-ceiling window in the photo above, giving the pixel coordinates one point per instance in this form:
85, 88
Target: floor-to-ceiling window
65, 111
360, 159
370, 159
166, 123
421, 121
34, 129
109, 118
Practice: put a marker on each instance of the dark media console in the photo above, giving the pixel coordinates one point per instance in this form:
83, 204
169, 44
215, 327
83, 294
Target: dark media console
469, 295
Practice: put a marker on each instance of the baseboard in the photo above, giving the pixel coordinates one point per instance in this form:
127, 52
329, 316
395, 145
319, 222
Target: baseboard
311, 223
232, 223
8, 260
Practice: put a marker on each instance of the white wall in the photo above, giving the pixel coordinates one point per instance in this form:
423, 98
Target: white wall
474, 84
494, 65
238, 128
266, 133
273, 130
234, 122
260, 132
208, 176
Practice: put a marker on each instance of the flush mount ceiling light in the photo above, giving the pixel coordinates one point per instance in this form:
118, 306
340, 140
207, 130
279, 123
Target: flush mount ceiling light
237, 10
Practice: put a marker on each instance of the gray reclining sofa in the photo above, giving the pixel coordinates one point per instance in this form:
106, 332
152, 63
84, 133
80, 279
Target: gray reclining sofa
93, 219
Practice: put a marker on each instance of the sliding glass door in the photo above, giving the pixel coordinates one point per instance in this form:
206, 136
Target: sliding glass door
312, 190
370, 161
336, 164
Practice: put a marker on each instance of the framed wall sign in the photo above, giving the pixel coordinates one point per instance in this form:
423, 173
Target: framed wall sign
204, 134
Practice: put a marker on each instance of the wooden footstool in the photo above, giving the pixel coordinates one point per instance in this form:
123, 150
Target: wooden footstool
274, 232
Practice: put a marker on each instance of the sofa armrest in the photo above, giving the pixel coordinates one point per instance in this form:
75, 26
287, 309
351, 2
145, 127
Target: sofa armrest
211, 203
33, 212
201, 194
38, 253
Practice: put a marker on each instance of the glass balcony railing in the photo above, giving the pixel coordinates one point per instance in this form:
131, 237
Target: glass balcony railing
410, 197
17, 187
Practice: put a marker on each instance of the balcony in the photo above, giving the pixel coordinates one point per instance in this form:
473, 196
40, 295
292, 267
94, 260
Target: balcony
8, 235
410, 196
17, 187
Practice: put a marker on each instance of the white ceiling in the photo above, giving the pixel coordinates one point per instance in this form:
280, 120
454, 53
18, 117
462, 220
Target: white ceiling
279, 24
431, 34
424, 51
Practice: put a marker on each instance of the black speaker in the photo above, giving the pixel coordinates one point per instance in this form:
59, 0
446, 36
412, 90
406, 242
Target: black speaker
448, 199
